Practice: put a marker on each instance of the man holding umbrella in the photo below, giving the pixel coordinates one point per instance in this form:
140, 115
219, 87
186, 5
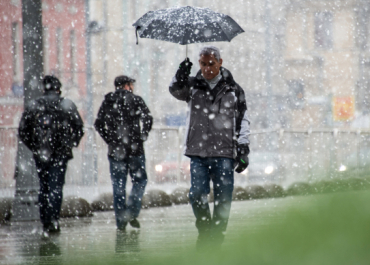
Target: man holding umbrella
216, 138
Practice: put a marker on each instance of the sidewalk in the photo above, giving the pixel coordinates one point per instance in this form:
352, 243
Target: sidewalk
164, 231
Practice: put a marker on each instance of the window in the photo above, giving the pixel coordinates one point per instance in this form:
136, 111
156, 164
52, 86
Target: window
363, 96
59, 50
296, 93
16, 52
45, 47
323, 30
362, 28
73, 61
17, 86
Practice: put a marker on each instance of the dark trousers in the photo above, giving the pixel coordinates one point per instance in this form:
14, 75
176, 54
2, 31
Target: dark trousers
220, 170
135, 165
52, 177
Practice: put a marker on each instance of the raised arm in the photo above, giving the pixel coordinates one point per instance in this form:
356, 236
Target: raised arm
180, 84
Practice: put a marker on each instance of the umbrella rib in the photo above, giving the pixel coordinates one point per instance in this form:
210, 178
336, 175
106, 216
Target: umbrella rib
224, 32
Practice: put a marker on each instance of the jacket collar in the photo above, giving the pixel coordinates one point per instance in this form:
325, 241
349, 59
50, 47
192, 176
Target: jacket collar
225, 84
121, 90
51, 95
114, 96
121, 93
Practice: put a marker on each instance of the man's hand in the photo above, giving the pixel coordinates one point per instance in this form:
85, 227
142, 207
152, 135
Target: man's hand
184, 71
144, 137
241, 159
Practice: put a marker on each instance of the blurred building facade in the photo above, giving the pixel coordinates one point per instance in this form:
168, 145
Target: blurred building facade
326, 63
64, 56
63, 51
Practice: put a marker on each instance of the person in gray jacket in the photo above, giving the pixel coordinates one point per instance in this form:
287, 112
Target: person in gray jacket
216, 138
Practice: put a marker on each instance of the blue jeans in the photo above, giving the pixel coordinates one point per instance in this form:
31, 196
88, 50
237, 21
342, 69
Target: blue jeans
51, 176
221, 171
118, 172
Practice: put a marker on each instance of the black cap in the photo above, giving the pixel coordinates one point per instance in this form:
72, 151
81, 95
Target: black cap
123, 80
50, 82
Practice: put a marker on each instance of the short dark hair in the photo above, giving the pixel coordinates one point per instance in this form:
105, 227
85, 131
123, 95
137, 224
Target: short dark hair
123, 80
50, 82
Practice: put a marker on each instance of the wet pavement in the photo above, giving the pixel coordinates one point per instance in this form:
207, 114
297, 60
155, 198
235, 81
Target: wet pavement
164, 231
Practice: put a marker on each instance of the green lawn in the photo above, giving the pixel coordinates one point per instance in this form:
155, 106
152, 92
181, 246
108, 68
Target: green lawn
325, 229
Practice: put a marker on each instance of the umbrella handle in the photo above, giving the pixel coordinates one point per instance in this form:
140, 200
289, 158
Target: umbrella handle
137, 39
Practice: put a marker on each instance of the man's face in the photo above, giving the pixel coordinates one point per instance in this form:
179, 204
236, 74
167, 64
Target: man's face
129, 87
209, 66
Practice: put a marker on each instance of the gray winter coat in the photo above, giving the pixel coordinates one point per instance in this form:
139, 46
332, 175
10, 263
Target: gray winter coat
217, 118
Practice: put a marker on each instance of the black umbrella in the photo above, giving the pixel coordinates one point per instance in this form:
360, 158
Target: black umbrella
185, 25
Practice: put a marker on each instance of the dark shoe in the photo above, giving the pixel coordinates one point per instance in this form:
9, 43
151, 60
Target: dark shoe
52, 227
135, 223
122, 227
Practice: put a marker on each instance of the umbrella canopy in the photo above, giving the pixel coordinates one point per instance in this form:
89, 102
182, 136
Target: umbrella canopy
185, 25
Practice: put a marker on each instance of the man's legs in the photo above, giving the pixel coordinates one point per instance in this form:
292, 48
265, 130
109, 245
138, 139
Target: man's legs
44, 205
222, 175
199, 171
56, 182
139, 180
52, 177
118, 174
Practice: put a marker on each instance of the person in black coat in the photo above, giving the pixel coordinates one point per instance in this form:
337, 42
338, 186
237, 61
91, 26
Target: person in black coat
50, 127
118, 123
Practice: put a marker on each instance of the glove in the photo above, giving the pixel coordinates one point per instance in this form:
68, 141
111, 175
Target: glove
184, 71
241, 159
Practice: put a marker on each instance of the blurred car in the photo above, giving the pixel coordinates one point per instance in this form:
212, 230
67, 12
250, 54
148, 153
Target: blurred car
172, 168
263, 167
359, 161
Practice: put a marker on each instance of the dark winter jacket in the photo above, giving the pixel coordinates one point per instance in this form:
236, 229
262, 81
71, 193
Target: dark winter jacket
118, 123
217, 118
65, 135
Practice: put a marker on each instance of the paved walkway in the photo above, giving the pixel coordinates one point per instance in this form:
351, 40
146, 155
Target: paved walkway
164, 230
